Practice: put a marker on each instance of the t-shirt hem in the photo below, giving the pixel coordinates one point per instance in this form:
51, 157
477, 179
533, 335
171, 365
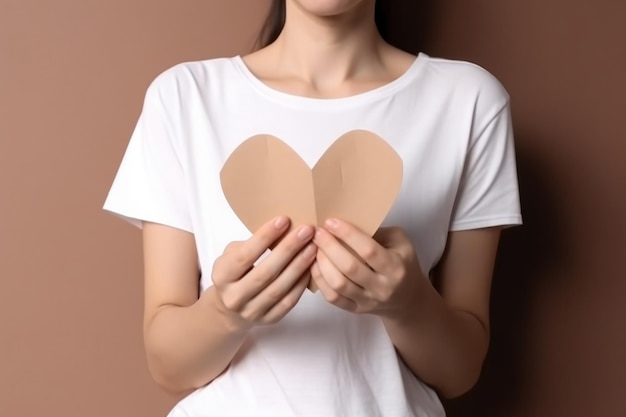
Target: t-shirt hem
504, 221
137, 219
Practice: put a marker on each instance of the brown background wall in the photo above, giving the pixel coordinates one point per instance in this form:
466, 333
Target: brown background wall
72, 77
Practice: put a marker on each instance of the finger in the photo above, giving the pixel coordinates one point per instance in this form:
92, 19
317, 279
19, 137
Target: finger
273, 265
331, 296
337, 280
239, 257
315, 275
342, 258
288, 302
372, 253
276, 291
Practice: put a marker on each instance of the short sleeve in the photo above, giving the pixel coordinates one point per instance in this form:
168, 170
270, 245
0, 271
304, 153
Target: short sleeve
488, 193
150, 183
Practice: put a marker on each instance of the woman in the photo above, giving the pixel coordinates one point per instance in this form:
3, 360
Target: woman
400, 318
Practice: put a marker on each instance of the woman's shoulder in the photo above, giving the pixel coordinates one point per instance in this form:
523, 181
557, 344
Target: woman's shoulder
466, 77
198, 75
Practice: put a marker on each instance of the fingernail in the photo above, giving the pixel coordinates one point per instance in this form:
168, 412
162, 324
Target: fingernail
332, 223
280, 222
305, 232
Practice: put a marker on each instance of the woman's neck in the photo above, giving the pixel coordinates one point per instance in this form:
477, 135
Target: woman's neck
328, 50
328, 55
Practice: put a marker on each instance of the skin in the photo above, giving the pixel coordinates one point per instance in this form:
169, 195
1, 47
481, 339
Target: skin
441, 335
191, 339
440, 328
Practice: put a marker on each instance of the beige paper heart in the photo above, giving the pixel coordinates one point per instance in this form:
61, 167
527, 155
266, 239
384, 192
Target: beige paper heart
357, 180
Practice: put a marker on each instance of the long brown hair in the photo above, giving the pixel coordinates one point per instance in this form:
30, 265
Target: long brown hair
275, 21
273, 24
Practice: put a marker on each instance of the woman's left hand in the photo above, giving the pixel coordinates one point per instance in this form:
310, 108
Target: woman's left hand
361, 274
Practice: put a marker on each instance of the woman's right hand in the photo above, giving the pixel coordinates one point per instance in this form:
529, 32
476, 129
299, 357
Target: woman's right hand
248, 294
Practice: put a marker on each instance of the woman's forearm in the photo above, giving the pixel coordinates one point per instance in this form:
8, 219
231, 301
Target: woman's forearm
444, 347
188, 347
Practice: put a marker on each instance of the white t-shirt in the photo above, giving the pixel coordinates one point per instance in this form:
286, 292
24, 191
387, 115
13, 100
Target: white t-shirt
450, 123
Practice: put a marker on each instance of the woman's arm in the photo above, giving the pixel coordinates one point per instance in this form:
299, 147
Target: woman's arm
441, 334
190, 340
445, 336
